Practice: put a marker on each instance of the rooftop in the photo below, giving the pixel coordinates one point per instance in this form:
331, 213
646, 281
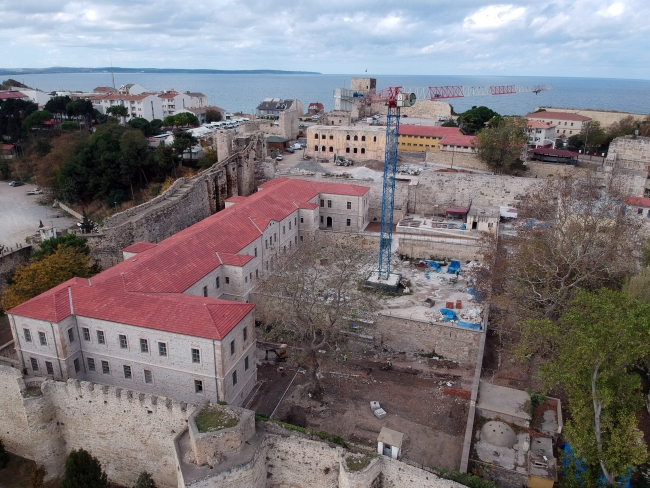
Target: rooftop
458, 140
557, 115
5, 95
638, 201
538, 124
547, 151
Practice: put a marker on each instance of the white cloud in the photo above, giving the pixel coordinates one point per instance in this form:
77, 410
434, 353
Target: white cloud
493, 17
614, 10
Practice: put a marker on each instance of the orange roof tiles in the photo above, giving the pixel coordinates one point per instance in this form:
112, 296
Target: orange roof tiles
465, 141
139, 247
538, 124
557, 115
638, 201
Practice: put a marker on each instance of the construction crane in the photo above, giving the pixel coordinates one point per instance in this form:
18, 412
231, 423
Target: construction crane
395, 98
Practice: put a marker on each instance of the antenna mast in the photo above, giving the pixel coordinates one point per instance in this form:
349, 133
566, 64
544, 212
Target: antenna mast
112, 74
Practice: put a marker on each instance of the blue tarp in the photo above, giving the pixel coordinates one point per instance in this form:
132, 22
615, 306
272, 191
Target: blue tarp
569, 458
454, 265
434, 265
469, 325
477, 295
448, 314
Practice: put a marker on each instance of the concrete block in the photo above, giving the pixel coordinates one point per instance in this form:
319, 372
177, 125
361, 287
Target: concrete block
380, 413
374, 406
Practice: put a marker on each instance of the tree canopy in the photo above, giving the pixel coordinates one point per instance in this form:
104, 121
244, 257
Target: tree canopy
50, 246
83, 469
474, 119
118, 111
12, 114
212, 115
37, 118
33, 279
590, 352
501, 144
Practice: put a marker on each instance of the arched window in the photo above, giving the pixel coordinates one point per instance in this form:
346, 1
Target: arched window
355, 150
331, 136
347, 138
363, 150
316, 148
315, 136
347, 150
363, 138
322, 136
331, 149
356, 138
374, 139
323, 149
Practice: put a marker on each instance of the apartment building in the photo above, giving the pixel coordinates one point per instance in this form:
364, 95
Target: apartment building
173, 318
174, 102
566, 124
353, 142
145, 105
423, 138
540, 133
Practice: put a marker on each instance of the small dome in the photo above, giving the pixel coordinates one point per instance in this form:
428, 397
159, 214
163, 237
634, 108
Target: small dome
498, 434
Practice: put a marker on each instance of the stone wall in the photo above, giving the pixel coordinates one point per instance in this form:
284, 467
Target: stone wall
187, 201
127, 431
426, 248
456, 160
427, 109
409, 335
9, 261
630, 153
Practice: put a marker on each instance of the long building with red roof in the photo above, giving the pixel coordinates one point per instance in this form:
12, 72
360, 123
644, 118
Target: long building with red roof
423, 138
173, 318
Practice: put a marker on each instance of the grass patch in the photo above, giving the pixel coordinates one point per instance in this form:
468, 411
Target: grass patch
357, 464
467, 479
212, 419
321, 434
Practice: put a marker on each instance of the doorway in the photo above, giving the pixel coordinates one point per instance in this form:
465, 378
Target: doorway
329, 222
474, 225
388, 450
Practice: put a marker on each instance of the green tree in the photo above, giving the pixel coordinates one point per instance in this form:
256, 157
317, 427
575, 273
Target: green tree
185, 118
42, 147
12, 114
4, 456
590, 352
156, 126
49, 246
474, 120
450, 123
141, 124
134, 148
79, 108
83, 469
212, 115
164, 158
169, 121
184, 141
501, 146
69, 125
33, 279
37, 118
145, 481
57, 105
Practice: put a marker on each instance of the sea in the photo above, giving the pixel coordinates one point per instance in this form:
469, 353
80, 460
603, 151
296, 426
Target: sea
243, 92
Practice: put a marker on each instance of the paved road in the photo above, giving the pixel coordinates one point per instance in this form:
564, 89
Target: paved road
20, 214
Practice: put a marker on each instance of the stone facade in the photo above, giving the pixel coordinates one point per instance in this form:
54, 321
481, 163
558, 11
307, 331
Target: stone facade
336, 117
352, 142
426, 109
629, 153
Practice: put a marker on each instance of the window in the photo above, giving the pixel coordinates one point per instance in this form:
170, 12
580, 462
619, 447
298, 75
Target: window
205, 291
295, 239
246, 364
123, 343
347, 138
234, 378
347, 222
295, 220
354, 150
148, 377
331, 136
86, 332
349, 205
232, 347
374, 139
322, 136
275, 237
315, 136
227, 280
302, 220
490, 224
245, 279
639, 211
28, 335
49, 368
91, 364
356, 138
331, 149
300, 238
256, 248
198, 386
321, 219
245, 333
257, 274
322, 203
363, 138
34, 364
144, 345
127, 372
289, 225
105, 368
363, 150
42, 339
329, 203
347, 150
77, 368
284, 230
162, 349
217, 282
323, 149
100, 337
316, 146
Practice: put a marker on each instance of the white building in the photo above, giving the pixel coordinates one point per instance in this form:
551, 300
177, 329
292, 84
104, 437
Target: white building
146, 105
131, 89
566, 124
540, 133
197, 100
38, 97
173, 318
173, 102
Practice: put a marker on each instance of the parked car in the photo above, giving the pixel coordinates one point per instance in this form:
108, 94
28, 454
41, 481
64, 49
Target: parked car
442, 118
289, 150
279, 157
296, 147
16, 183
34, 192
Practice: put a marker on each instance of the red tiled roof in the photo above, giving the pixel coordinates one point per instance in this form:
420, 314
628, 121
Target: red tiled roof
638, 201
458, 141
554, 152
147, 290
457, 210
7, 147
538, 124
428, 130
168, 95
235, 198
139, 247
557, 115
117, 96
5, 95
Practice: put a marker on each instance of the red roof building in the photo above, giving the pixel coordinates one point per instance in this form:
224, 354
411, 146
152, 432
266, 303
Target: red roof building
173, 318
423, 138
458, 143
12, 95
566, 123
315, 108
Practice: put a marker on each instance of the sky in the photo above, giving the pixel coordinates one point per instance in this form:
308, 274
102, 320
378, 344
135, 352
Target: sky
591, 38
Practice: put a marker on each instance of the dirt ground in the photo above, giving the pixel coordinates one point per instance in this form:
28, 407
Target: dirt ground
411, 394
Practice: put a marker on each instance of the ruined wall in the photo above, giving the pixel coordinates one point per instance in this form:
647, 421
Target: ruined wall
404, 334
456, 160
461, 249
426, 109
9, 261
630, 153
127, 431
187, 201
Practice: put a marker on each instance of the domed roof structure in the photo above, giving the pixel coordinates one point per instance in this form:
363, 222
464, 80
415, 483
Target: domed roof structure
498, 434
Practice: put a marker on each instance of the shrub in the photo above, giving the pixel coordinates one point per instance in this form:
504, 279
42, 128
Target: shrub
145, 481
4, 455
37, 476
83, 469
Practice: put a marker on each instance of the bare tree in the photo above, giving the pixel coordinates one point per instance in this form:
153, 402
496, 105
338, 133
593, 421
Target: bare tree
312, 294
575, 234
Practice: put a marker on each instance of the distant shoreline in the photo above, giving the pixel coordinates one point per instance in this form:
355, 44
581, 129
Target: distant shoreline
58, 70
